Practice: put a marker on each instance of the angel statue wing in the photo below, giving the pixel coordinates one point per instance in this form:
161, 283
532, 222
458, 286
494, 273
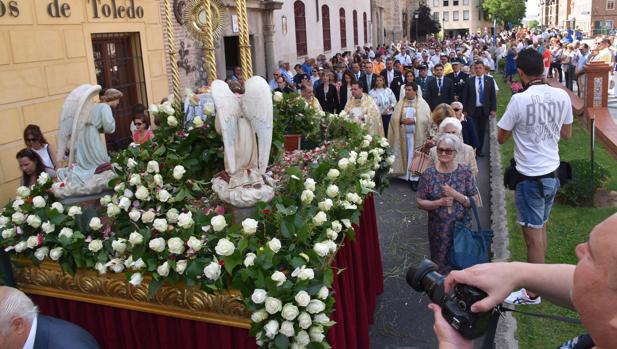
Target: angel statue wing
74, 114
227, 113
257, 108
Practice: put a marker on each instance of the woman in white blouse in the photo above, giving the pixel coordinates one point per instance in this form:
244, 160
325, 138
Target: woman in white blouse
385, 100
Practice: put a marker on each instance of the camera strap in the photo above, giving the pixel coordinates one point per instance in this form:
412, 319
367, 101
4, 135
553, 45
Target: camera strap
503, 309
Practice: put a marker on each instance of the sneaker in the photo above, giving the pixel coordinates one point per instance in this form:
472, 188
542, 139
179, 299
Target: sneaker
521, 297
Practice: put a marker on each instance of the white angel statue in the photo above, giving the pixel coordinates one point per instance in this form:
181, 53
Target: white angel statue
239, 117
81, 121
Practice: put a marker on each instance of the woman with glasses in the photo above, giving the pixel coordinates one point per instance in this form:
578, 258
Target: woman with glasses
444, 191
467, 155
142, 133
34, 139
31, 166
470, 136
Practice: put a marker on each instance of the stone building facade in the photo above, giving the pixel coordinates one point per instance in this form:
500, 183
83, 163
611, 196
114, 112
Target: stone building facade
460, 16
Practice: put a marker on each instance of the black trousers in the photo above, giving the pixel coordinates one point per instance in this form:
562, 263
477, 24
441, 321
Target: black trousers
481, 120
385, 119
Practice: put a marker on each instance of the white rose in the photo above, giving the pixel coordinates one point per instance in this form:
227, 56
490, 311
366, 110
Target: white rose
43, 178
34, 221
302, 298
332, 235
38, 202
321, 319
160, 224
198, 122
23, 192
153, 109
179, 171
181, 266
172, 121
273, 305
136, 279
131, 163
119, 245
56, 253
41, 253
249, 259
315, 306
125, 203
331, 245
134, 215
309, 184
305, 274
208, 109
249, 226
332, 191
316, 334
287, 329
337, 226
8, 233
185, 220
278, 277
135, 180
66, 232
172, 216
304, 320
142, 193
271, 328
21, 247
384, 142
347, 223
289, 312
218, 222
101, 268
164, 195
158, 180
18, 218
212, 271
95, 245
274, 245
323, 293
224, 247
320, 218
176, 245
152, 167
277, 97
136, 238
365, 144
157, 245
325, 205
259, 296
47, 227
307, 196
259, 316
163, 269
95, 223
116, 265
194, 243
321, 249
113, 210
32, 242
138, 264
148, 216
333, 174
4, 221
343, 163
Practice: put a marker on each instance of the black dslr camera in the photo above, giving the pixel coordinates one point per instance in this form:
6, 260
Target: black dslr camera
455, 307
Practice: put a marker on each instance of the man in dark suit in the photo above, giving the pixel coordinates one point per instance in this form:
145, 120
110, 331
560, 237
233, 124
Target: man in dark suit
440, 89
368, 78
423, 79
24, 328
480, 101
459, 78
392, 78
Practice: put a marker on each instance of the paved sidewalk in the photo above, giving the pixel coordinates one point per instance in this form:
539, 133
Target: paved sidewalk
402, 319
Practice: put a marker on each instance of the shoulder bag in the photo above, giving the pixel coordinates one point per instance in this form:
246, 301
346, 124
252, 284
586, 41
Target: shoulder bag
470, 247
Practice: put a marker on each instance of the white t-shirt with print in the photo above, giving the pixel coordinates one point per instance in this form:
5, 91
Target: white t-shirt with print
535, 117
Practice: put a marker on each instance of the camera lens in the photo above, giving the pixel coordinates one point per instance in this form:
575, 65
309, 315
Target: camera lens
425, 278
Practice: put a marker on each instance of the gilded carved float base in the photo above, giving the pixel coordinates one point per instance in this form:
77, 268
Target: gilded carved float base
113, 290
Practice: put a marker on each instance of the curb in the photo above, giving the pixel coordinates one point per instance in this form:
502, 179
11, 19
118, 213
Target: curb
506, 328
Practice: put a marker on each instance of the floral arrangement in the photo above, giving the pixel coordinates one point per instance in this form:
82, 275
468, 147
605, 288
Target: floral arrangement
163, 222
516, 87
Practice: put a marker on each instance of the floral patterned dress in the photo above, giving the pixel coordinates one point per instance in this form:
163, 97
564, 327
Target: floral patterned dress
440, 221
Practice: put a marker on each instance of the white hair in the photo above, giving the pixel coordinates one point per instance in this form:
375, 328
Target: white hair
450, 140
15, 304
450, 121
457, 104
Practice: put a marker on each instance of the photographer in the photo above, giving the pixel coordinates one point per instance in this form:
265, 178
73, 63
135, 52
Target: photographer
590, 288
537, 119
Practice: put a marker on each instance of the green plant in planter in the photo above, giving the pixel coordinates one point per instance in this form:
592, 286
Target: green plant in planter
579, 191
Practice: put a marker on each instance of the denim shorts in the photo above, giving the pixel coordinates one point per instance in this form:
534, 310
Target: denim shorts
534, 200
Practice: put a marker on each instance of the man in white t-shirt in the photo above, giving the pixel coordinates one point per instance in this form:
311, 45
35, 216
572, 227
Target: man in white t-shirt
537, 119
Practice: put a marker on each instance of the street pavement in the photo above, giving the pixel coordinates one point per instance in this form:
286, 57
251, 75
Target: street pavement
402, 319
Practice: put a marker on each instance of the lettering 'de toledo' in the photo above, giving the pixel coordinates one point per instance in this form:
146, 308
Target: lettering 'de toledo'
62, 9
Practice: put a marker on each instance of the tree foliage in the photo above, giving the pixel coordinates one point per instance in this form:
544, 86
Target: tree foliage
505, 11
425, 23
533, 24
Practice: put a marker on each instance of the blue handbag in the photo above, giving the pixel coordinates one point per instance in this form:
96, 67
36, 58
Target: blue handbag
470, 247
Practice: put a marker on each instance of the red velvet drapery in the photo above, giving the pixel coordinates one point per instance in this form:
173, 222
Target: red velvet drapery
356, 289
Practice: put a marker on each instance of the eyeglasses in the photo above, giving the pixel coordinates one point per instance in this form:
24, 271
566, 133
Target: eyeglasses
446, 151
456, 109
314, 71
139, 123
